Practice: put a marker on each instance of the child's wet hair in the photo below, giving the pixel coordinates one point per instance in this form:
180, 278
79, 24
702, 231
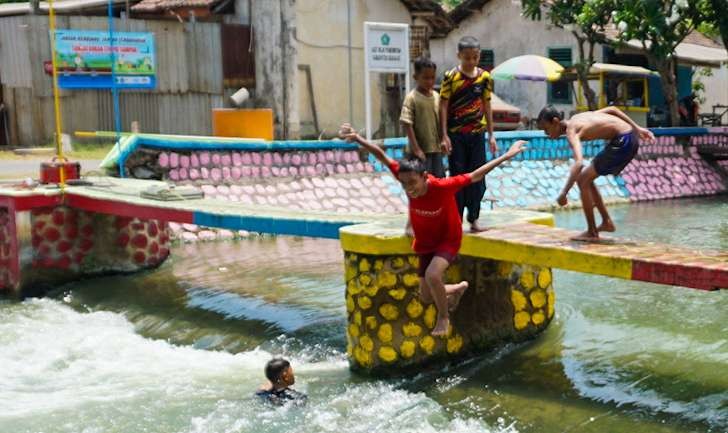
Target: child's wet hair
548, 113
275, 368
412, 165
468, 42
423, 63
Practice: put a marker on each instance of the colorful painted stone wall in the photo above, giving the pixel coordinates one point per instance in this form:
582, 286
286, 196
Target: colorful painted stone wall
9, 265
67, 243
389, 326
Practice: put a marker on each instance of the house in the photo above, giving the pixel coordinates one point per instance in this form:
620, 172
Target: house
504, 33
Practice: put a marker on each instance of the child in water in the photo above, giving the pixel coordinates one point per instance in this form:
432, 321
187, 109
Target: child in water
435, 220
278, 390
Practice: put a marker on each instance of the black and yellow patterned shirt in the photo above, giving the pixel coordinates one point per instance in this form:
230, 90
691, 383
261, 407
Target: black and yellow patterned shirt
465, 95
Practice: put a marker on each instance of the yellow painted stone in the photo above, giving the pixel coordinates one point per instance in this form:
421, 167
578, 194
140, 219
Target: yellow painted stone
385, 333
411, 329
366, 343
350, 304
350, 350
518, 299
398, 294
362, 357
538, 318
357, 318
364, 302
411, 280
527, 280
538, 298
352, 287
353, 330
454, 344
521, 319
389, 312
414, 308
364, 265
378, 265
413, 261
427, 344
365, 280
387, 279
544, 278
371, 322
371, 290
397, 262
551, 302
407, 349
430, 316
387, 354
452, 274
350, 272
504, 269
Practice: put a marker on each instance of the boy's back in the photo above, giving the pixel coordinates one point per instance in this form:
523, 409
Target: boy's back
595, 125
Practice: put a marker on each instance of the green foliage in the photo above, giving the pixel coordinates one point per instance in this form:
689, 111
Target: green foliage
698, 86
450, 4
12, 1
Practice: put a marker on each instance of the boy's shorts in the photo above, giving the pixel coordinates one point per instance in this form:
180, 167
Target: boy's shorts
425, 260
616, 154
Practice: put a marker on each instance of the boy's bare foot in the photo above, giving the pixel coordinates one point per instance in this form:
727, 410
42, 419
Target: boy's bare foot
477, 228
441, 326
587, 236
453, 298
606, 226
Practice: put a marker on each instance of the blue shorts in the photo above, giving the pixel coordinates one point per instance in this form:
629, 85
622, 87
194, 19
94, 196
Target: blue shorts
616, 154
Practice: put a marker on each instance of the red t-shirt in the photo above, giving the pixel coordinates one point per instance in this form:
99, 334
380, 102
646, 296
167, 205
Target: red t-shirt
434, 216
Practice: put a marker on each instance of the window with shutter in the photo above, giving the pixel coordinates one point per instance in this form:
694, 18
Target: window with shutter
560, 93
487, 60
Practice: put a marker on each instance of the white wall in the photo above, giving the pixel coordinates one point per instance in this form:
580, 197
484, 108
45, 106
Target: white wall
716, 89
499, 26
323, 44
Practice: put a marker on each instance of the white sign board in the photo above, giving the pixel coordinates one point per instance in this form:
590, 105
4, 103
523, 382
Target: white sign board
386, 49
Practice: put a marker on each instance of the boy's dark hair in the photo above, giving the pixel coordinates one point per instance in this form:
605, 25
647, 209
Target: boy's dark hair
468, 42
548, 113
275, 367
412, 165
423, 63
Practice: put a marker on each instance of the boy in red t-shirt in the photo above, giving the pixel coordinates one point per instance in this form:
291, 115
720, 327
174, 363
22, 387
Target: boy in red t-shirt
436, 221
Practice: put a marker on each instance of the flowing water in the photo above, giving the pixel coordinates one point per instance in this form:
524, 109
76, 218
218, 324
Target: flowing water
181, 349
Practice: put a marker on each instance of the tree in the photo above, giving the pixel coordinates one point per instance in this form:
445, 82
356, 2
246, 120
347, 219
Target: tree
660, 25
718, 17
585, 19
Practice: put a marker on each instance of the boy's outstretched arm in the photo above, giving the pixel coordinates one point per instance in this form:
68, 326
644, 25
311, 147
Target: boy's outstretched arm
644, 133
479, 173
572, 136
349, 134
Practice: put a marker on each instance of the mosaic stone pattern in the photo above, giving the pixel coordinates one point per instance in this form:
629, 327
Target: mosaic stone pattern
389, 326
8, 249
76, 241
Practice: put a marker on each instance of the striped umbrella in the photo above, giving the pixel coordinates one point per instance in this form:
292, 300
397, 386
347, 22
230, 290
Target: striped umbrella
528, 67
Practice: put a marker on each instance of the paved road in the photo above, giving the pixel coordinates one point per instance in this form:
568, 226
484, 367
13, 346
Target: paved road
29, 167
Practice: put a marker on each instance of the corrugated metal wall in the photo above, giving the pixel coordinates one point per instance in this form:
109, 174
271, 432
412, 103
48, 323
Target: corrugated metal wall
189, 80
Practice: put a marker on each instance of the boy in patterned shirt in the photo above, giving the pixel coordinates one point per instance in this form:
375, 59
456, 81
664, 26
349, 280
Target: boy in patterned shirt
465, 114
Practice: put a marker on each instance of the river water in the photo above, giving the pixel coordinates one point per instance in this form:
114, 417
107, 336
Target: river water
182, 348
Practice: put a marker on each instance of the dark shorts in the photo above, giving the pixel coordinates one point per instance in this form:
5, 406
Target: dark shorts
616, 154
425, 260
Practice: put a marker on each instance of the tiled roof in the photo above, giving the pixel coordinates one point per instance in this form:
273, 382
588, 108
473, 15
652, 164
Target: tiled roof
433, 14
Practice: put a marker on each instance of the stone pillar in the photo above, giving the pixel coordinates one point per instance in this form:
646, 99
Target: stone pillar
67, 244
9, 257
389, 326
